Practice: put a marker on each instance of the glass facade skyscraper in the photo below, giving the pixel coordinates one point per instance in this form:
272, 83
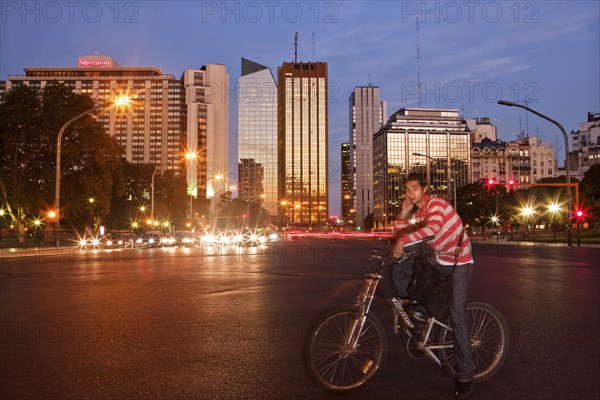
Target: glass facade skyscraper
302, 142
432, 142
257, 136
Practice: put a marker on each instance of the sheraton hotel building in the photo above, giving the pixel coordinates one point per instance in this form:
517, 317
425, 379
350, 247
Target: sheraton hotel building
166, 114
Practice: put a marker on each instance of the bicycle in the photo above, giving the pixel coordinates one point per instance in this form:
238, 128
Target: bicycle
345, 348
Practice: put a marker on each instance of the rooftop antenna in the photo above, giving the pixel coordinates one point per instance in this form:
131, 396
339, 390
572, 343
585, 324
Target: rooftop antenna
520, 128
526, 118
418, 63
296, 47
313, 57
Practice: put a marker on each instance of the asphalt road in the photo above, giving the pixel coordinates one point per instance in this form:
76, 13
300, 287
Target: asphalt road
192, 324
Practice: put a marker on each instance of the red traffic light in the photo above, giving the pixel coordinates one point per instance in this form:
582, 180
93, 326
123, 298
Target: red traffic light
510, 185
490, 182
579, 213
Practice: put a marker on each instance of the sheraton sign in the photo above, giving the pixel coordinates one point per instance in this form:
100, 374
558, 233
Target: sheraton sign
97, 61
94, 63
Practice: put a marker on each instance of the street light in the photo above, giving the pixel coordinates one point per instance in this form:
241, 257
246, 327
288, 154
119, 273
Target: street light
121, 101
449, 175
554, 209
192, 202
567, 167
527, 211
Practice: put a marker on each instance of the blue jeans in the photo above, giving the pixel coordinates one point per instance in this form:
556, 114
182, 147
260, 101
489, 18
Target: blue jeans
461, 326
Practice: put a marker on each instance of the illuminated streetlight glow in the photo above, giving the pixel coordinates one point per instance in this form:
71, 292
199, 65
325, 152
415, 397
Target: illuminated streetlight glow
527, 211
553, 208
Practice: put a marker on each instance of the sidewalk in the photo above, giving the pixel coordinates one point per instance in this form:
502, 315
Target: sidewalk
515, 241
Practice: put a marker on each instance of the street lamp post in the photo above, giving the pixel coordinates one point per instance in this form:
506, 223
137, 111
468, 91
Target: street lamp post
450, 174
156, 169
191, 203
58, 150
567, 167
121, 101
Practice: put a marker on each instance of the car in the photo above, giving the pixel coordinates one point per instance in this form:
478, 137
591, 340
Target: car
167, 240
122, 240
149, 239
186, 239
253, 239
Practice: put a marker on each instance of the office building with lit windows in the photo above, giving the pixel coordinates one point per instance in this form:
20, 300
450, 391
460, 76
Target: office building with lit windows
302, 142
432, 142
348, 211
205, 130
257, 136
167, 117
367, 116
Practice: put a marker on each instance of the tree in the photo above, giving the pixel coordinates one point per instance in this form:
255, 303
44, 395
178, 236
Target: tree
29, 124
591, 189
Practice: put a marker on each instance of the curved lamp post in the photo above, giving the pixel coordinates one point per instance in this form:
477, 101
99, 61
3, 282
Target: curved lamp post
567, 167
121, 101
58, 149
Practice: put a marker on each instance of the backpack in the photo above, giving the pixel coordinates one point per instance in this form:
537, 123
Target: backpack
429, 286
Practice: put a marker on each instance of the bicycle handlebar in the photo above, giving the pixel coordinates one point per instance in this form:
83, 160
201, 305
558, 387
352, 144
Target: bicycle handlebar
377, 257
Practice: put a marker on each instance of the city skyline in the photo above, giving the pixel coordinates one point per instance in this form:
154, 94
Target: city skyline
470, 54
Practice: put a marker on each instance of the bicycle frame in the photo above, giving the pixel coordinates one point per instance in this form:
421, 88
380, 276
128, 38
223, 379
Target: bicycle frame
363, 306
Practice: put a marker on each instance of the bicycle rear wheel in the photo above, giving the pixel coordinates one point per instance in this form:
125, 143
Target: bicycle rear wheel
489, 341
332, 363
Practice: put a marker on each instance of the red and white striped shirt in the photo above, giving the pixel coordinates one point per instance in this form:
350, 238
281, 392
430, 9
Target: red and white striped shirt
439, 219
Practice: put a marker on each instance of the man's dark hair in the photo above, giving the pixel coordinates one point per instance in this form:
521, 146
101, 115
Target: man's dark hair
413, 176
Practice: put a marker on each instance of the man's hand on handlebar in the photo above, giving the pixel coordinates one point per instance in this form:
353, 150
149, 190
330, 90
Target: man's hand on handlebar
398, 249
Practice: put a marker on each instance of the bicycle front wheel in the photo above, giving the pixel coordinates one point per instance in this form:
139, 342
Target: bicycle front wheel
489, 341
331, 359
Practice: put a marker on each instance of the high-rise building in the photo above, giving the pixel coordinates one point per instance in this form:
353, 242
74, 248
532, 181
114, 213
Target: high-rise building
302, 142
250, 180
167, 117
432, 142
206, 127
257, 135
348, 212
367, 115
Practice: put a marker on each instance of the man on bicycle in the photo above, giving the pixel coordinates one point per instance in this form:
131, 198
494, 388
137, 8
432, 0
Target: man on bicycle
421, 216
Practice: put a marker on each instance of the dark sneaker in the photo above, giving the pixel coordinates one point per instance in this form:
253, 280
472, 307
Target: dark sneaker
463, 390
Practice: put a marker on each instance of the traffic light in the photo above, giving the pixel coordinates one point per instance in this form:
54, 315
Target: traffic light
579, 214
510, 185
490, 183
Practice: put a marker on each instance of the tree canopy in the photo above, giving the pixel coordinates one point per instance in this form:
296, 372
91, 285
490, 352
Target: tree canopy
30, 120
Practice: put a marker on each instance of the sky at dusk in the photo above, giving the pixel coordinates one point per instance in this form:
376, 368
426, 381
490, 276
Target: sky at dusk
472, 53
